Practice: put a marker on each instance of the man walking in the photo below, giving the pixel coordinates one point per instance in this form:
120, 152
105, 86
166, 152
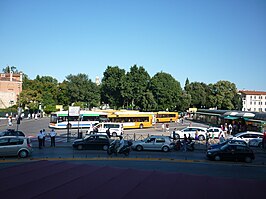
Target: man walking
52, 136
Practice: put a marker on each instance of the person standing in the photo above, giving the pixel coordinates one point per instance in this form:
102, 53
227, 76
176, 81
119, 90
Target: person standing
207, 140
52, 136
40, 139
10, 121
43, 140
185, 143
264, 140
108, 132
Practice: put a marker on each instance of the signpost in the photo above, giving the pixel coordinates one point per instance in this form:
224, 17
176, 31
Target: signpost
72, 111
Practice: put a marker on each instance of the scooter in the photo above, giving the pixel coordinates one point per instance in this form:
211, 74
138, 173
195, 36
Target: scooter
189, 145
124, 150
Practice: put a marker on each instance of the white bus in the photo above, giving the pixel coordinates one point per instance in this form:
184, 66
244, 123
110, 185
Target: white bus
87, 119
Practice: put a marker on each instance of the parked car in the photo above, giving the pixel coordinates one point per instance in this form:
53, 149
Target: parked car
246, 136
255, 142
216, 131
15, 146
95, 141
234, 152
154, 142
11, 132
192, 131
219, 145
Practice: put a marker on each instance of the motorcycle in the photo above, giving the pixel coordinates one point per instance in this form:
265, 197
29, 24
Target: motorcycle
189, 145
124, 150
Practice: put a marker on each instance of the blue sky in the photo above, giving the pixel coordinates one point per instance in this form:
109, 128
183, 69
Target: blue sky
203, 40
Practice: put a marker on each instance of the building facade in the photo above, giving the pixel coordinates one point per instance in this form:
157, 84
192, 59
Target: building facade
10, 88
253, 100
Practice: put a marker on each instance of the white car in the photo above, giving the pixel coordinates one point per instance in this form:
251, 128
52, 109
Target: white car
256, 142
216, 131
116, 129
192, 132
247, 136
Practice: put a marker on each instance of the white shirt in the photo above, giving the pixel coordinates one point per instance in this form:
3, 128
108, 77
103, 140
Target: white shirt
52, 133
40, 135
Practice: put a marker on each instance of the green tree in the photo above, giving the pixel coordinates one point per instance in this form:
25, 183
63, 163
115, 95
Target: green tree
224, 92
197, 91
81, 89
136, 89
113, 84
166, 91
9, 69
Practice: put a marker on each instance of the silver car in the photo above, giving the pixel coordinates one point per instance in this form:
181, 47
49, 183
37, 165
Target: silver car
154, 142
15, 146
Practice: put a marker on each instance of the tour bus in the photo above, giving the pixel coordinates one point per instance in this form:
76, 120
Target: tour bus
87, 119
133, 119
164, 116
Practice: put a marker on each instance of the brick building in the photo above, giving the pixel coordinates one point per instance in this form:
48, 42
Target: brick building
253, 100
10, 87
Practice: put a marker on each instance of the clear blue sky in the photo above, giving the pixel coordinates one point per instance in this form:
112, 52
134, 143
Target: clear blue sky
203, 40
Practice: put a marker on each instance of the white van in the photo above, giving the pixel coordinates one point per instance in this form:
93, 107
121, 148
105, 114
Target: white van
116, 129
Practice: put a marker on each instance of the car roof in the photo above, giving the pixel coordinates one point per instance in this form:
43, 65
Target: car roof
248, 132
22, 137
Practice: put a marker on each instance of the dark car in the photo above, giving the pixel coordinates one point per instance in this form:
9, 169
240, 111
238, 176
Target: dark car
219, 145
233, 152
11, 132
94, 141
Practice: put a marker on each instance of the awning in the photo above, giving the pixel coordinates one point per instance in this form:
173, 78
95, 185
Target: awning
228, 117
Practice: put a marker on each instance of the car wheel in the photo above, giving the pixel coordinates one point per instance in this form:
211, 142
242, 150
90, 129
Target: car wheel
260, 145
114, 134
165, 149
201, 137
141, 126
139, 148
105, 147
80, 147
217, 158
23, 154
248, 159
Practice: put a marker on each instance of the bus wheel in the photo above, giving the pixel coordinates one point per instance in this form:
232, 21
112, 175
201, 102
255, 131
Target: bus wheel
141, 126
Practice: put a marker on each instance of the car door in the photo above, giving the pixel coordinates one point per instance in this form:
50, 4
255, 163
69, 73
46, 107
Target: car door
241, 152
149, 144
4, 146
159, 142
14, 145
90, 142
229, 153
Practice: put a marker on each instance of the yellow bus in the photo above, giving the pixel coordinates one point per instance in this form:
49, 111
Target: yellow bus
133, 119
164, 116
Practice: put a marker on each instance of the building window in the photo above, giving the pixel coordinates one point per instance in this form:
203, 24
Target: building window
250, 96
254, 103
245, 102
254, 109
254, 97
250, 103
260, 109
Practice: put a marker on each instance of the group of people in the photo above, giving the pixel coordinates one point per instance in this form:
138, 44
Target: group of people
41, 138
